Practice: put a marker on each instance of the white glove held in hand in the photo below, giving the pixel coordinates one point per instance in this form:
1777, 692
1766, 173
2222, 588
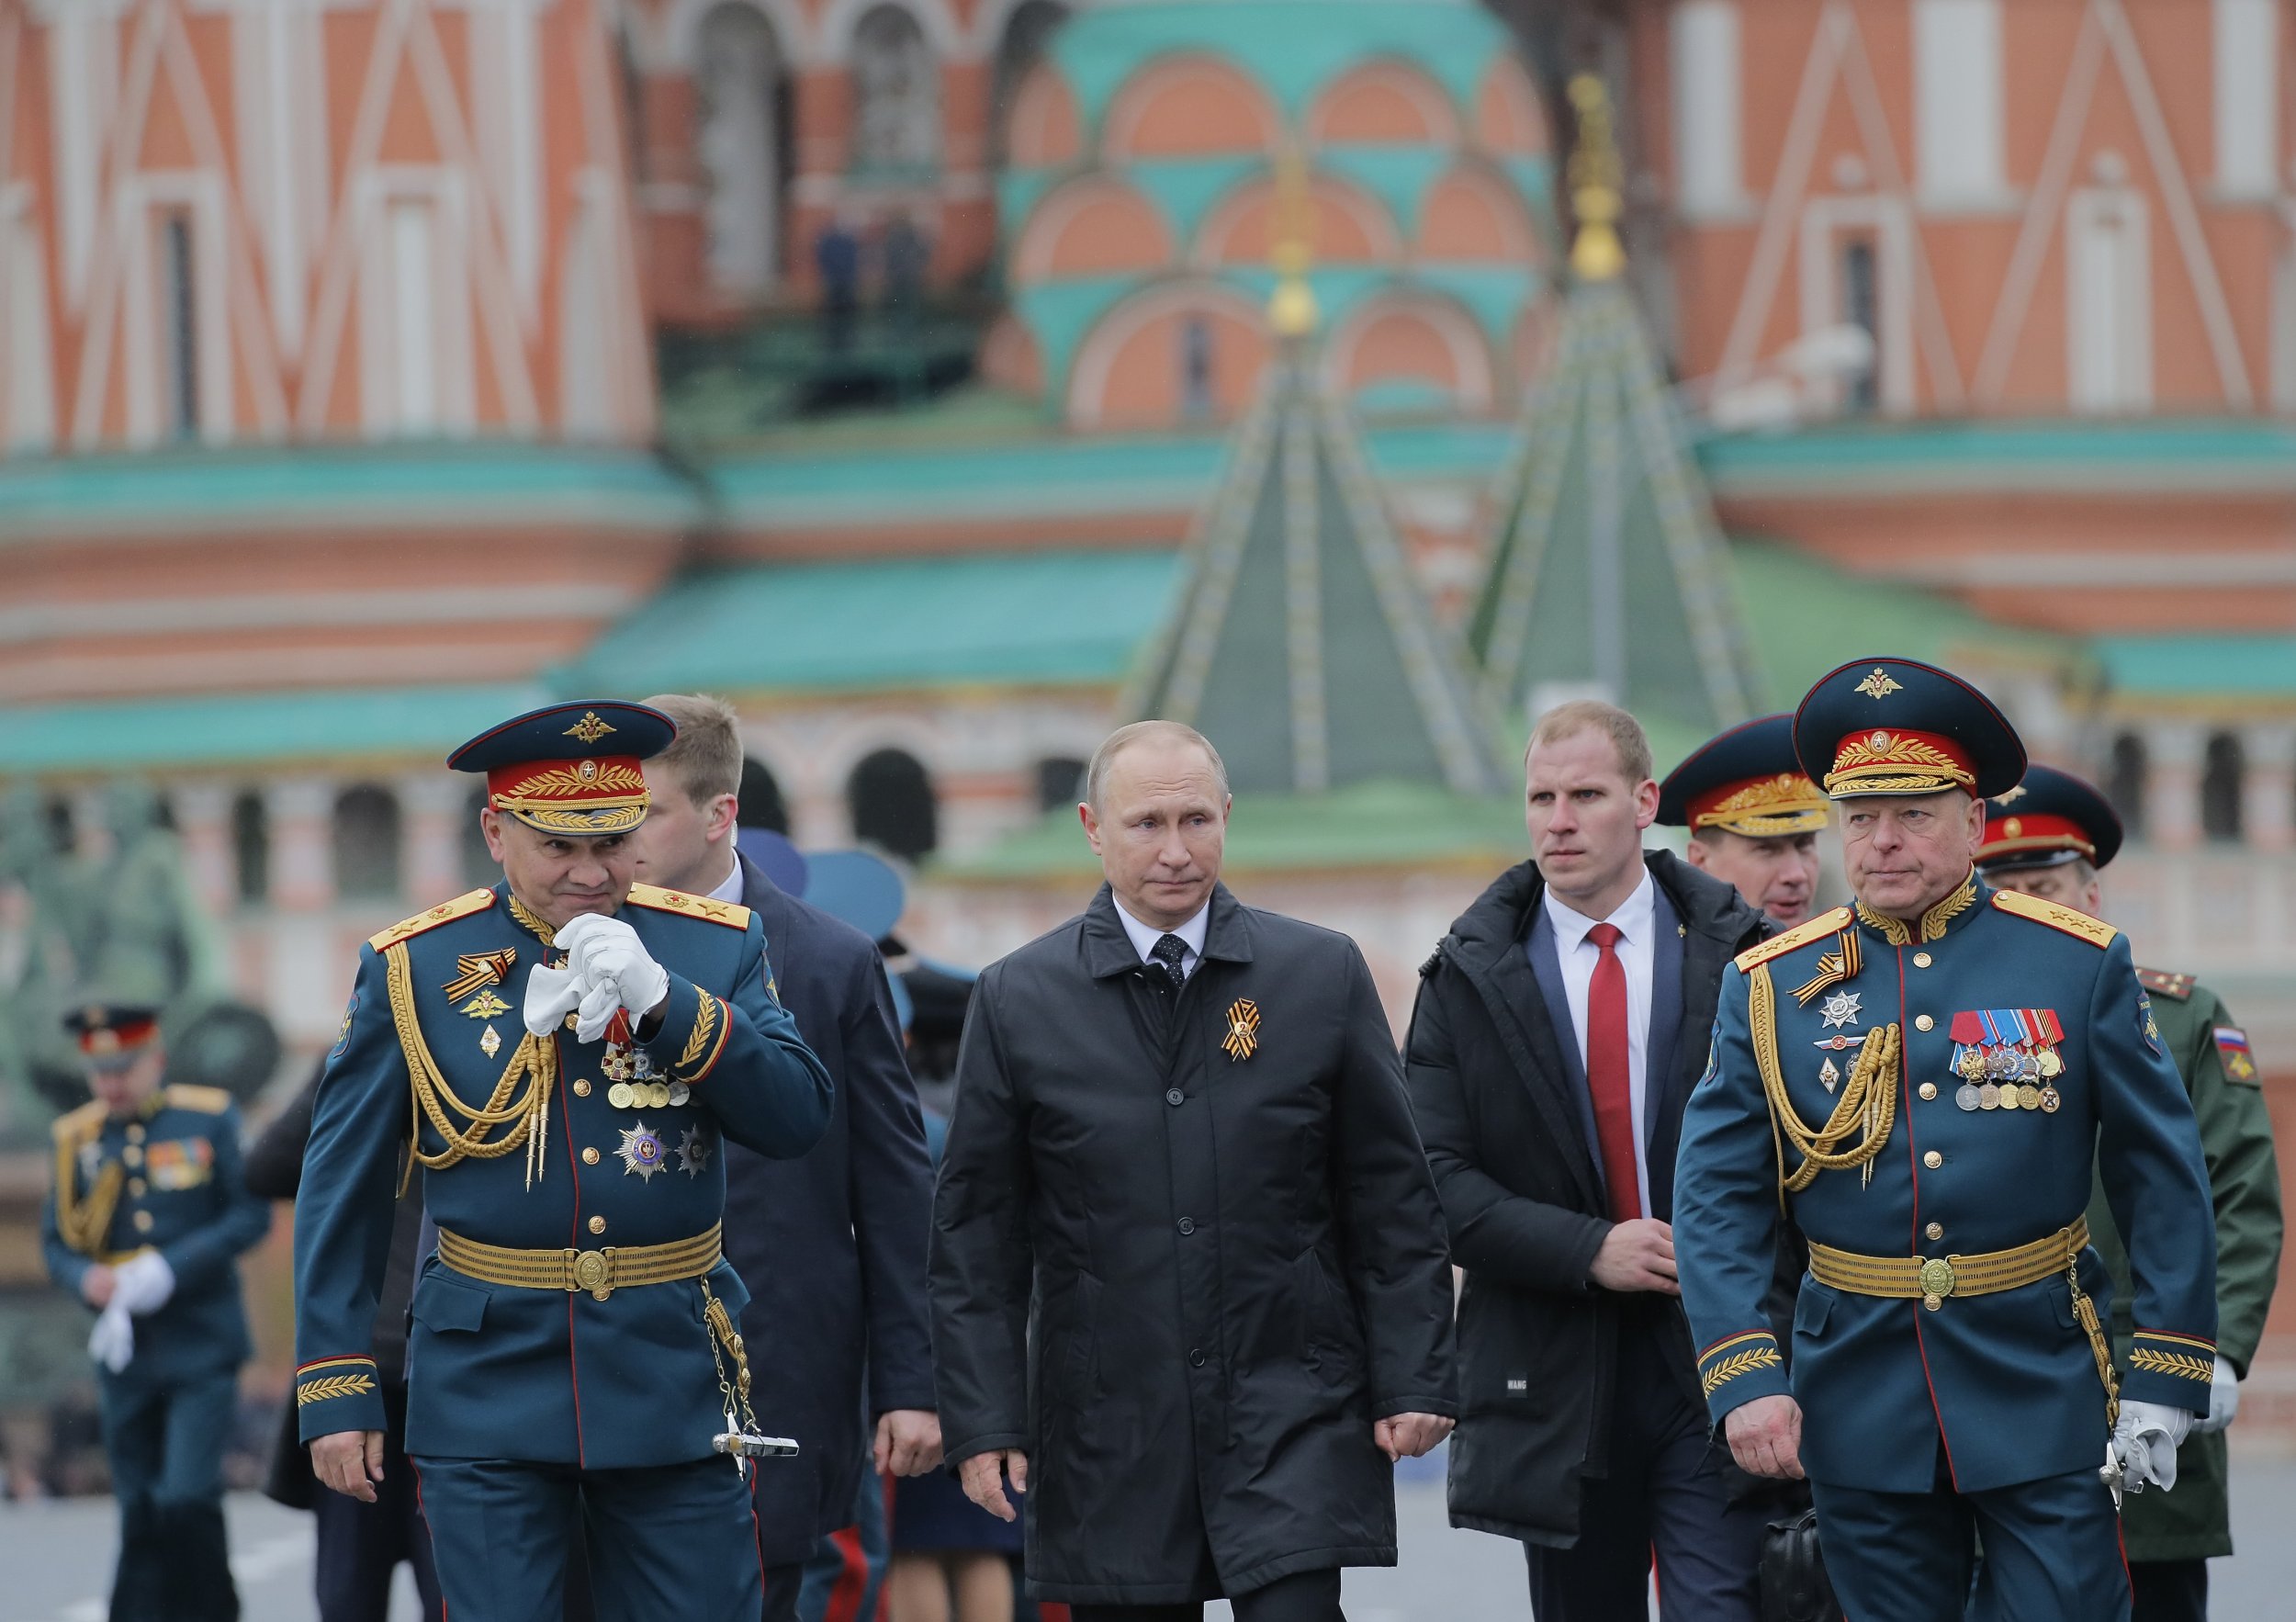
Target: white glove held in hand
551, 995
2145, 1441
605, 951
143, 1282
2223, 1398
112, 1341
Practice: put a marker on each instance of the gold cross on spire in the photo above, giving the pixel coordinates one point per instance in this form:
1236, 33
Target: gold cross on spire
1597, 182
1291, 310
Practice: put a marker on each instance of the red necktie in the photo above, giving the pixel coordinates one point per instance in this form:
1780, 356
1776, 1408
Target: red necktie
1610, 1075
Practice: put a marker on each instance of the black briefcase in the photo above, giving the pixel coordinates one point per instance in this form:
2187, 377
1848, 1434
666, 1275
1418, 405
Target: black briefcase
1794, 1585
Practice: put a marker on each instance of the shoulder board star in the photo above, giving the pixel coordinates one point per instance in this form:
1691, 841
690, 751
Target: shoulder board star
203, 1101
1800, 935
2072, 920
445, 912
693, 906
2165, 983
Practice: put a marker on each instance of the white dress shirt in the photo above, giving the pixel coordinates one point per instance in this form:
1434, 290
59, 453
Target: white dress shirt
1636, 920
730, 890
1191, 933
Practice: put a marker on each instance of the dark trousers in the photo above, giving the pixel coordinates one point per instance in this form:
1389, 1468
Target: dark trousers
166, 1445
1666, 1495
2170, 1591
2051, 1549
676, 1541
361, 1544
1306, 1596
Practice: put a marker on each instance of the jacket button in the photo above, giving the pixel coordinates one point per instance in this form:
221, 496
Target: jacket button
1187, 1225
1175, 1097
135, 1132
1920, 960
1928, 1089
143, 1222
598, 1224
1196, 1357
1922, 1022
135, 1187
590, 1155
582, 1089
1935, 1230
1933, 1160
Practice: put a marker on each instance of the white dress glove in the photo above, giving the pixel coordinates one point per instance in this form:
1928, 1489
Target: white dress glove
143, 1283
112, 1341
606, 952
2145, 1443
2223, 1398
551, 995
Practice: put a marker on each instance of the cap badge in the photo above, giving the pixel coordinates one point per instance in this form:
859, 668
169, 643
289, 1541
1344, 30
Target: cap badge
587, 770
1879, 684
589, 729
2014, 828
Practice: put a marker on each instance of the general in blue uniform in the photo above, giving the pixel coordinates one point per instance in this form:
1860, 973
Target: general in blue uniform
145, 1220
1924, 1086
573, 1358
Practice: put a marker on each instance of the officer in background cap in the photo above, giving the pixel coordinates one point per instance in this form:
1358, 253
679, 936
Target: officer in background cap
1753, 817
1918, 1081
571, 1048
145, 1220
2049, 837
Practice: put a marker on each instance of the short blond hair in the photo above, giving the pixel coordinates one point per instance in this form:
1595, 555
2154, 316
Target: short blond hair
706, 756
1592, 714
1124, 738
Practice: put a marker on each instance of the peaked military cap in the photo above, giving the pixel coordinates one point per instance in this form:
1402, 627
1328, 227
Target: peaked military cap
112, 1032
1747, 781
1899, 726
570, 768
2049, 820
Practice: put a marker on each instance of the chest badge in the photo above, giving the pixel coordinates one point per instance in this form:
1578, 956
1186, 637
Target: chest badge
1244, 1030
476, 971
1840, 1009
490, 1041
642, 1151
693, 1151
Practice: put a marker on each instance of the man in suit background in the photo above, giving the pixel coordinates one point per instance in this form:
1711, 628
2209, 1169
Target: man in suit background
1559, 1028
831, 1244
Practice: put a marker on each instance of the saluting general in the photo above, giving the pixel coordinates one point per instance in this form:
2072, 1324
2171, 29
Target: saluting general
1923, 1081
563, 1055
1188, 1284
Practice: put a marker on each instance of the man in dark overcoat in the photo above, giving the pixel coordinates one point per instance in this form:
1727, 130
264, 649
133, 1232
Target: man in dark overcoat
832, 1243
1189, 1286
1550, 1112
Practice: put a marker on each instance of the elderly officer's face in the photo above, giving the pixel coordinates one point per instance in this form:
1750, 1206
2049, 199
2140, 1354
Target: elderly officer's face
1159, 831
1905, 853
2069, 883
1779, 875
1586, 819
558, 876
123, 1088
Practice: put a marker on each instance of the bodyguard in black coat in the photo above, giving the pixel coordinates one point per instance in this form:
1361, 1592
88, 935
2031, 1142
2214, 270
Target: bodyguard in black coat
1190, 1289
1583, 1432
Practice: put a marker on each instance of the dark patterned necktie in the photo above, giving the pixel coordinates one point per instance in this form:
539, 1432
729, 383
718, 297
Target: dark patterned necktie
1167, 953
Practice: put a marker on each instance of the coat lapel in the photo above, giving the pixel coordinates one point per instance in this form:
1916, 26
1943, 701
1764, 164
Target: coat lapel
1546, 1064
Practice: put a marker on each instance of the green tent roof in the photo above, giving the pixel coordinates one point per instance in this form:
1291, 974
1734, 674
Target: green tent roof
2201, 667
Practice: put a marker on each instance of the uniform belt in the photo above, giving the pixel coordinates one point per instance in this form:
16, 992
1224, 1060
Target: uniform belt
601, 1272
1932, 1278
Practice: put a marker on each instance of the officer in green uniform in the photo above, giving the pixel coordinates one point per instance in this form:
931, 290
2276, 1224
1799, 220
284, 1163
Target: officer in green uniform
145, 1220
2048, 837
563, 1053
1925, 1082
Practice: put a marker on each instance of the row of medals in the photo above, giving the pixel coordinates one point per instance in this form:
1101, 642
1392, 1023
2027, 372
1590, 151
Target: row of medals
2008, 1079
634, 1088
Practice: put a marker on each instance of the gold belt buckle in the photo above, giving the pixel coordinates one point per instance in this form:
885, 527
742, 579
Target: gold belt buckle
1937, 1282
594, 1270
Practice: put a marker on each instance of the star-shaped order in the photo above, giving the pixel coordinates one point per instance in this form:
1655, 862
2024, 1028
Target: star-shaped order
1839, 1008
641, 1151
693, 1151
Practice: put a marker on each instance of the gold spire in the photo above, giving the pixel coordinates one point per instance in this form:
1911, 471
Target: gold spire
1597, 177
1291, 310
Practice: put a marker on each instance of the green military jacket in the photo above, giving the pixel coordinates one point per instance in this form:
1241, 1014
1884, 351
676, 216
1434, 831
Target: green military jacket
2212, 1053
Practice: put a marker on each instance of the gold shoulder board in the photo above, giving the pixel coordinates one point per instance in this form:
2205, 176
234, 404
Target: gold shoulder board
445, 912
79, 1124
1802, 934
204, 1100
732, 916
2165, 983
2072, 920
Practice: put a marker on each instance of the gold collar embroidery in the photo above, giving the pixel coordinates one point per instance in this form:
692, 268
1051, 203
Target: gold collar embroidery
1897, 933
532, 919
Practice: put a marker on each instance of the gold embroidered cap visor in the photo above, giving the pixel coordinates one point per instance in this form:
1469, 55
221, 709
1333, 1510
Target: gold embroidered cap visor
570, 769
1899, 726
1745, 780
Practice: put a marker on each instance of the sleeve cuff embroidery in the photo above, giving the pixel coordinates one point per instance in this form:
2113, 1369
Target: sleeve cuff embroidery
2179, 1356
333, 1376
705, 1042
1737, 1356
